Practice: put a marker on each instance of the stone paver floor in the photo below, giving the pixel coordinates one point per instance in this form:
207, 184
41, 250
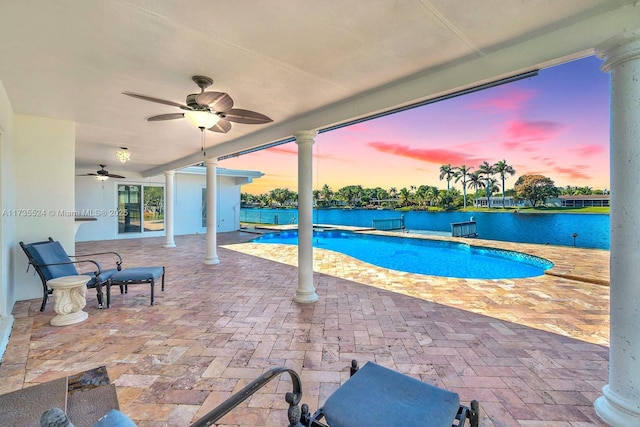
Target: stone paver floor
532, 351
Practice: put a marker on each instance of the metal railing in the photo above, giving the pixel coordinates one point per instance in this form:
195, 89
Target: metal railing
388, 223
292, 398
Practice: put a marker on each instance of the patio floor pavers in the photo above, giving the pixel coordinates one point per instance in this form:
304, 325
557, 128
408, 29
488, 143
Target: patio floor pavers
532, 351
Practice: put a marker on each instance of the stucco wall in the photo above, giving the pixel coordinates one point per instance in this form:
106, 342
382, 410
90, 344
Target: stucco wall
94, 195
44, 148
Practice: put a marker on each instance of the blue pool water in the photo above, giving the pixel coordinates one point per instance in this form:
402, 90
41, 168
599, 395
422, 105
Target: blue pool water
435, 258
592, 230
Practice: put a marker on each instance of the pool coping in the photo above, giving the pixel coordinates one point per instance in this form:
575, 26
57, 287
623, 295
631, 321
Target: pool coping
593, 262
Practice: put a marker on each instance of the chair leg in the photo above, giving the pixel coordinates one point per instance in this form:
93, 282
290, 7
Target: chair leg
152, 291
162, 279
44, 299
109, 294
99, 295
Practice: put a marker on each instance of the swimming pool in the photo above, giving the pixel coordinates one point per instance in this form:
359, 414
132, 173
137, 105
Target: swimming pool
422, 256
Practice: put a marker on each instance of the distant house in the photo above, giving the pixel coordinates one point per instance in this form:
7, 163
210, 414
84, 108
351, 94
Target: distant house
496, 202
583, 201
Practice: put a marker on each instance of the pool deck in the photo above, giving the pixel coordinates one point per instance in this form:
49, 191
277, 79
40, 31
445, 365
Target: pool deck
532, 351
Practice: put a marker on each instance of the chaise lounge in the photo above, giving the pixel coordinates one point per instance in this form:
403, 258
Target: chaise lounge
51, 261
376, 396
373, 396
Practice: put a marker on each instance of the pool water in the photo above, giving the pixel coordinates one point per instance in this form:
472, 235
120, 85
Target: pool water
421, 256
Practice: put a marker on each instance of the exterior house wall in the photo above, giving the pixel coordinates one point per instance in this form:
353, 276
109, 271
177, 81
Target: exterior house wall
95, 196
99, 199
44, 148
7, 223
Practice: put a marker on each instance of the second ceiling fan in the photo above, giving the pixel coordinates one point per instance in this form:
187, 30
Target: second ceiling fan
206, 110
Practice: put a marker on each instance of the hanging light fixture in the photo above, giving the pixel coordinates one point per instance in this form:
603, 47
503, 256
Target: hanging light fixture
201, 119
102, 178
123, 155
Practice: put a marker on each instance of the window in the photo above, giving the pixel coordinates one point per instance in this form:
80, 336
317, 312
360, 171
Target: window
141, 208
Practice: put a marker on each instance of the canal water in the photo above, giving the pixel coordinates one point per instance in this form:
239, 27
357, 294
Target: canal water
590, 230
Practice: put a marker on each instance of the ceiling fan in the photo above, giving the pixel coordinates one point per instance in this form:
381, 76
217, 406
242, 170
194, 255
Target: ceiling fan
103, 174
206, 110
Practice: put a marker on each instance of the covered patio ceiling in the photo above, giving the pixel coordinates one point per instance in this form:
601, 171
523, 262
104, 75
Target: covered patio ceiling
306, 64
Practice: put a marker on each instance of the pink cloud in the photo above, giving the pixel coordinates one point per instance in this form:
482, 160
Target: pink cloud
574, 172
519, 146
588, 150
288, 151
437, 156
532, 131
507, 100
282, 150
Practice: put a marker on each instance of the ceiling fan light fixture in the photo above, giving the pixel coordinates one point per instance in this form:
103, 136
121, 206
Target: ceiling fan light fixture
102, 177
201, 119
123, 155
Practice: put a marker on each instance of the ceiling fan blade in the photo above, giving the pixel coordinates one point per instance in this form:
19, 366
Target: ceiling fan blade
158, 100
161, 117
217, 101
88, 174
239, 115
112, 175
223, 126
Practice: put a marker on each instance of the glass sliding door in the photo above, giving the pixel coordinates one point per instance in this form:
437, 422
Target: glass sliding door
141, 208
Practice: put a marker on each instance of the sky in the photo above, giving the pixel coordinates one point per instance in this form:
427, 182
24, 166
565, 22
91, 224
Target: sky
555, 124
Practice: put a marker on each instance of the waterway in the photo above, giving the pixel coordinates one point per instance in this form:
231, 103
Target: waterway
591, 230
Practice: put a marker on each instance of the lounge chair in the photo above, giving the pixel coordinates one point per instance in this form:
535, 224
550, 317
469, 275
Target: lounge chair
51, 261
376, 396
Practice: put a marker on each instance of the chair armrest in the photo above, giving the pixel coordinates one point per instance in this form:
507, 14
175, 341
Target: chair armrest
118, 262
97, 273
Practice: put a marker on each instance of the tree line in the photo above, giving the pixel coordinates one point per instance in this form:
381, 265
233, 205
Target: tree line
486, 180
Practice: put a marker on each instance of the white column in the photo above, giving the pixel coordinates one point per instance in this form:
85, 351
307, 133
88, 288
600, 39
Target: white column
306, 292
168, 210
620, 401
211, 256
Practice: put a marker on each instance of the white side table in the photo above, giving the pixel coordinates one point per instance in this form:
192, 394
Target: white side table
69, 293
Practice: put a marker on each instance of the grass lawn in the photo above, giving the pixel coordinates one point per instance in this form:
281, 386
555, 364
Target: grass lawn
593, 210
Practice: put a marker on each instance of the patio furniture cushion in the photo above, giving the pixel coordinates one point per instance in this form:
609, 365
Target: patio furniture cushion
376, 396
101, 278
52, 253
136, 275
132, 276
51, 261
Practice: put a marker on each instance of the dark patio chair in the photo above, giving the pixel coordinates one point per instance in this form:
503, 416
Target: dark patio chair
376, 396
51, 261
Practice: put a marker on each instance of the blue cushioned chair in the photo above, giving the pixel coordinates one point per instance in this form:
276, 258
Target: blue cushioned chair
51, 261
376, 396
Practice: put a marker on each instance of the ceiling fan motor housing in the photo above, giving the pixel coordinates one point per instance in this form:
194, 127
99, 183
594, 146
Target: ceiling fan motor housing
193, 104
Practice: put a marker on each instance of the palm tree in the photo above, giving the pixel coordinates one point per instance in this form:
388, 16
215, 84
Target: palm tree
475, 182
405, 197
502, 169
463, 172
326, 194
487, 171
446, 172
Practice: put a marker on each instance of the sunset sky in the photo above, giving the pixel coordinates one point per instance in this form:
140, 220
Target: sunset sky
555, 124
